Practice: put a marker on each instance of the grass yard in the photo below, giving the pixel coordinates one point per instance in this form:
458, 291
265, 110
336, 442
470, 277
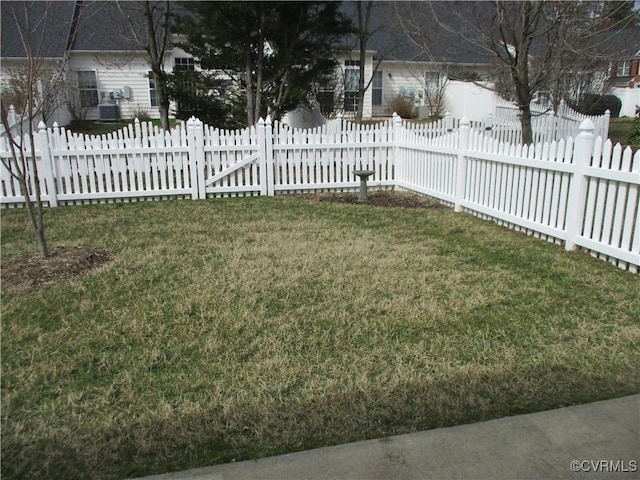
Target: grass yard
232, 329
619, 130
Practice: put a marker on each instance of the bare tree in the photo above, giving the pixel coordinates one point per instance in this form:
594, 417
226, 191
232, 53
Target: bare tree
435, 96
532, 43
370, 23
72, 100
37, 81
152, 38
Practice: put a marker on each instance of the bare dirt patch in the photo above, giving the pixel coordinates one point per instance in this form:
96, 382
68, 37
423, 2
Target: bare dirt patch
380, 198
30, 270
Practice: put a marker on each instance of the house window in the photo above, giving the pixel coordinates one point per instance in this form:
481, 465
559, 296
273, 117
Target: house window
183, 63
88, 88
623, 69
431, 81
351, 81
152, 90
376, 88
326, 95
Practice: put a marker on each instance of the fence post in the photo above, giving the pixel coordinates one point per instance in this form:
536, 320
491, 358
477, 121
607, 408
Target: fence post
269, 160
562, 110
398, 171
550, 132
12, 121
265, 152
262, 157
448, 121
582, 152
605, 127
461, 170
195, 141
46, 164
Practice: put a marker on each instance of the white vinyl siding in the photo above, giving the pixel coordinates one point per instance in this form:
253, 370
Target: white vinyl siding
351, 63
114, 72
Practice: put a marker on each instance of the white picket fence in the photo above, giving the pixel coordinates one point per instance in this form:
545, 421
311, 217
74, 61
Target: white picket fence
16, 123
583, 191
547, 125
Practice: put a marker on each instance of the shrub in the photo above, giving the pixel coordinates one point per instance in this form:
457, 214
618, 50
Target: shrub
592, 104
402, 105
141, 113
634, 133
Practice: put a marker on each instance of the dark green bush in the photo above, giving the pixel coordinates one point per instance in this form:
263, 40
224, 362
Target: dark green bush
593, 104
634, 133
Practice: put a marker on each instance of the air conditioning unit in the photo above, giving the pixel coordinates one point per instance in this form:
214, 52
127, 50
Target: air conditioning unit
108, 112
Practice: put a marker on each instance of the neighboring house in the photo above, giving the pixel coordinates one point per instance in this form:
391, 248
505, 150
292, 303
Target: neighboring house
399, 69
624, 72
446, 78
624, 80
423, 81
103, 63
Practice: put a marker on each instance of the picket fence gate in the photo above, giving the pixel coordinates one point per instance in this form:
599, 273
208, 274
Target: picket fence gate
582, 191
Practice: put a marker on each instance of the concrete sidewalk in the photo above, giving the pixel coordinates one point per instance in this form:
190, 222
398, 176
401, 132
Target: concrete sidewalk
597, 440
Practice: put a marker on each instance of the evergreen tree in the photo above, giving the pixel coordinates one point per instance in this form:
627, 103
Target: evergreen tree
273, 51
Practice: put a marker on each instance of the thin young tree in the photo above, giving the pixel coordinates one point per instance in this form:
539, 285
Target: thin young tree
41, 76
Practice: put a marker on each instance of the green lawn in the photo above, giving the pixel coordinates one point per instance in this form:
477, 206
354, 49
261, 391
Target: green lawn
619, 129
232, 329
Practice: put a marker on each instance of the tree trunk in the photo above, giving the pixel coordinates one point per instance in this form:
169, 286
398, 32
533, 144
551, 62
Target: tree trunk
35, 217
524, 106
361, 89
163, 99
525, 123
259, 69
249, 86
155, 48
258, 101
363, 38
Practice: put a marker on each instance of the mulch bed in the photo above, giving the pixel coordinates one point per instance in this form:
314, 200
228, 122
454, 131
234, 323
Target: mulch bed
30, 270
379, 198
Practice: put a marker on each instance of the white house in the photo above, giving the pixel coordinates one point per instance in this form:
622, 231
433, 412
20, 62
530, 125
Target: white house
395, 67
102, 60
91, 42
624, 78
